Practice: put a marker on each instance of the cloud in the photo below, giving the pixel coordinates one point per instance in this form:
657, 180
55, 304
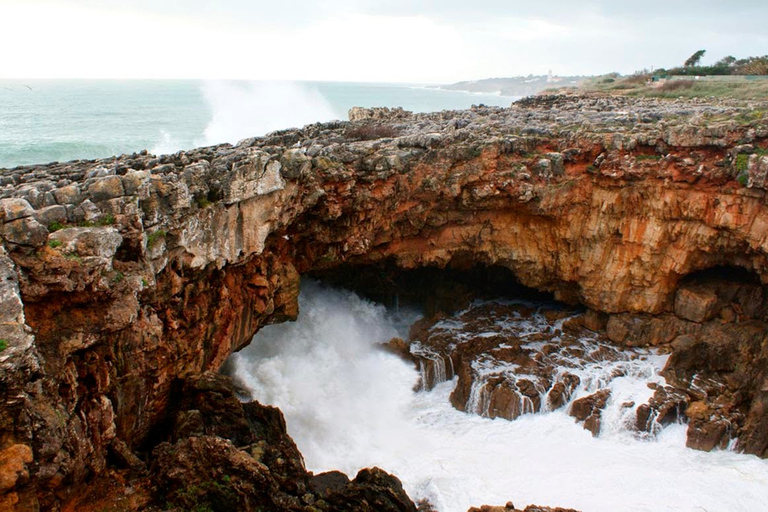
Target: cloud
366, 40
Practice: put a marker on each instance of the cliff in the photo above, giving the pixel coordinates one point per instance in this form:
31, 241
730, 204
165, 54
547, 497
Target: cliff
120, 276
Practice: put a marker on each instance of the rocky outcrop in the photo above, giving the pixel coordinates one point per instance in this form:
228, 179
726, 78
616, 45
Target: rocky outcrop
120, 275
216, 453
510, 507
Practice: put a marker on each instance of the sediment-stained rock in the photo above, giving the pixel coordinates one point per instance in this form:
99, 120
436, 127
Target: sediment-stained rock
125, 273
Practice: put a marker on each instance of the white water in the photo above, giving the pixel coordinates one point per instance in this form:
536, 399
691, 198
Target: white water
249, 109
349, 405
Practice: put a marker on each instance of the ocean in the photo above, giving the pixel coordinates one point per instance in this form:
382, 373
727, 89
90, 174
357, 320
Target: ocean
61, 120
349, 405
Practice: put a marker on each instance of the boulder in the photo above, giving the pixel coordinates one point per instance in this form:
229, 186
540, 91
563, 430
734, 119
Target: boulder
14, 208
108, 187
25, 231
589, 409
100, 242
696, 303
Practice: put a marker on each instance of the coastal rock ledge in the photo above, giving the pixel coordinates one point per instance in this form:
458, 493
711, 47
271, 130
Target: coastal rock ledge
125, 279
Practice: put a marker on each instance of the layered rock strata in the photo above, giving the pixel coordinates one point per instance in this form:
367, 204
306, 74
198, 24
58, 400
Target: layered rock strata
120, 275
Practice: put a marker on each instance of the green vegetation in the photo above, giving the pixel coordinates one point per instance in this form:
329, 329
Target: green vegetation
54, 243
641, 158
55, 226
743, 178
641, 85
106, 220
117, 276
207, 497
694, 59
3, 344
728, 65
202, 201
742, 162
729, 77
153, 238
74, 257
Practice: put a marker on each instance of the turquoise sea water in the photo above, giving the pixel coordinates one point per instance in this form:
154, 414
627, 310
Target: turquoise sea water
44, 121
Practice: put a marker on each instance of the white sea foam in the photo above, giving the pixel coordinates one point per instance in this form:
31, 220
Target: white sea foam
166, 144
248, 109
349, 405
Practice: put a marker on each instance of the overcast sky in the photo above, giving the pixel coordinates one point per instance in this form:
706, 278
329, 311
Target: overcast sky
432, 41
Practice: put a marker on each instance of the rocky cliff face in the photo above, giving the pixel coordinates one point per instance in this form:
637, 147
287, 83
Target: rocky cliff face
119, 276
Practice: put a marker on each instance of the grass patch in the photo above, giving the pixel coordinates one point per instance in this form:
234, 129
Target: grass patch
742, 162
55, 226
54, 243
106, 220
155, 237
743, 179
74, 257
637, 85
641, 158
3, 344
202, 201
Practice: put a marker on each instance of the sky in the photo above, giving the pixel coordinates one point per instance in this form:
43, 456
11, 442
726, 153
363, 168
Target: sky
432, 41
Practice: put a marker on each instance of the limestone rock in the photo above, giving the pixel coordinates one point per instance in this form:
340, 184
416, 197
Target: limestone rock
106, 188
12, 209
100, 242
696, 305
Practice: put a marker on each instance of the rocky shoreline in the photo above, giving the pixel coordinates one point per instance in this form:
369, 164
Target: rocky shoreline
122, 280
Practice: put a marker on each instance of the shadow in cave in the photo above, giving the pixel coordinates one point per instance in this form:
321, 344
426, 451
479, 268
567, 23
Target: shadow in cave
727, 292
432, 289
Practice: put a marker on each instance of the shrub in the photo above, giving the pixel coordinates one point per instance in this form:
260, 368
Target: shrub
106, 220
372, 132
3, 344
641, 158
154, 237
742, 162
676, 85
743, 178
202, 201
55, 226
54, 243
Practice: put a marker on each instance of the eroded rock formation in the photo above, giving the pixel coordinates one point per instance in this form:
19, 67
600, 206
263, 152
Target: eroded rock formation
119, 276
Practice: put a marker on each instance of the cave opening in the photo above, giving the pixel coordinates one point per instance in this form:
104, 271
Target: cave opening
431, 289
727, 292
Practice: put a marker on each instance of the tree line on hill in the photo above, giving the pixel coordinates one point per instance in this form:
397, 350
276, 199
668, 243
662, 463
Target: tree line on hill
729, 65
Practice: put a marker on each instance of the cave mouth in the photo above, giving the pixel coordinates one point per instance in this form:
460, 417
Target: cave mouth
431, 289
727, 292
730, 273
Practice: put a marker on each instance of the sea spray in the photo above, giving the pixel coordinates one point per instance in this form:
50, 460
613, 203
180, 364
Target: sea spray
249, 109
350, 405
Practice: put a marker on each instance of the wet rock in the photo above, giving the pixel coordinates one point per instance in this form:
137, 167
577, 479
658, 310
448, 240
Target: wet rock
328, 482
509, 507
457, 189
372, 490
589, 410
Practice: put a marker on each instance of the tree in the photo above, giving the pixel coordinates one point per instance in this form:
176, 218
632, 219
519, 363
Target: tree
694, 59
726, 62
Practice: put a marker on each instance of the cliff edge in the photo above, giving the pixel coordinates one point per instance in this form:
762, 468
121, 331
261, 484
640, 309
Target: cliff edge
121, 276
